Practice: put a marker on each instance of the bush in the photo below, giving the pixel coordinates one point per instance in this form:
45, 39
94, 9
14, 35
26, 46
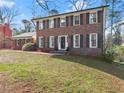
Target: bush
29, 47
109, 57
119, 53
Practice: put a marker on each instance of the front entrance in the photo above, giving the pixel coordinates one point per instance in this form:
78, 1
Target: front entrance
62, 42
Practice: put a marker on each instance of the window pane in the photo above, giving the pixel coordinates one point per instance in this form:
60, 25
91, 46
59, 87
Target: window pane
76, 19
51, 23
76, 41
41, 25
41, 42
93, 40
93, 18
51, 43
63, 22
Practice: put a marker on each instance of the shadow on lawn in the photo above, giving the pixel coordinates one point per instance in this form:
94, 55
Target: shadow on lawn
112, 69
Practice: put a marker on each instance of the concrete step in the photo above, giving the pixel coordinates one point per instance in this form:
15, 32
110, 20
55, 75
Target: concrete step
59, 52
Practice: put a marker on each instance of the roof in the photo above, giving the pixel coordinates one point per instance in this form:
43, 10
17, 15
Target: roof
25, 35
72, 12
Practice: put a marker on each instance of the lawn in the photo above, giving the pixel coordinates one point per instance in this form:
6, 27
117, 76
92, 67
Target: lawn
22, 72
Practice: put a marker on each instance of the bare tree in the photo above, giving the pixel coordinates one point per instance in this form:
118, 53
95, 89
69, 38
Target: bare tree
115, 15
8, 15
48, 6
79, 4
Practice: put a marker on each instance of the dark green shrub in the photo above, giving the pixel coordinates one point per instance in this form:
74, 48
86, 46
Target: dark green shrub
29, 47
109, 57
68, 49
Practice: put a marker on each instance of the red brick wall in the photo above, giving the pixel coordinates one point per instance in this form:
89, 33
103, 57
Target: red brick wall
5, 36
71, 30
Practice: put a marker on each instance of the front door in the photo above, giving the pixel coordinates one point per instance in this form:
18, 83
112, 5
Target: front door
62, 42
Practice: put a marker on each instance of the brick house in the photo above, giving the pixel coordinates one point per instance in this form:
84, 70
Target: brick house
82, 32
5, 36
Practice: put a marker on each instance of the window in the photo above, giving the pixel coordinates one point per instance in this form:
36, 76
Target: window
51, 23
93, 40
41, 25
76, 41
41, 42
76, 20
93, 18
63, 22
51, 41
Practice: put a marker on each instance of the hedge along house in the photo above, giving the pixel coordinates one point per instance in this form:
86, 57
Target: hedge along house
21, 39
82, 32
5, 36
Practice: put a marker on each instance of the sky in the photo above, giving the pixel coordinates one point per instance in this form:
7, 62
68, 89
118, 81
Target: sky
25, 11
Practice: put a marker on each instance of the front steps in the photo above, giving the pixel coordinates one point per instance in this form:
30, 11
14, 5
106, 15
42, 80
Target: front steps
59, 52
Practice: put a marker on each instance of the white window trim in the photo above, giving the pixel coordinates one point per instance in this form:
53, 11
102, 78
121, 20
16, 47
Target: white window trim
52, 22
40, 46
96, 17
60, 21
50, 40
91, 41
41, 25
74, 44
74, 20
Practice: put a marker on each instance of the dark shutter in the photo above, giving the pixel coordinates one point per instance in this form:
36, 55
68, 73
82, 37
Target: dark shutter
48, 42
87, 41
81, 19
54, 22
100, 16
67, 21
47, 24
71, 20
58, 22
56, 42
37, 25
81, 41
100, 41
71, 41
87, 18
43, 24
43, 42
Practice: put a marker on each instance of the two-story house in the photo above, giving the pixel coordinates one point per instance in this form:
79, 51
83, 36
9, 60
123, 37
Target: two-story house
82, 32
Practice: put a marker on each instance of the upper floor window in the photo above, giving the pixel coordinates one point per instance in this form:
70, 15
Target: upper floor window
51, 23
76, 20
93, 17
76, 41
63, 22
41, 25
93, 40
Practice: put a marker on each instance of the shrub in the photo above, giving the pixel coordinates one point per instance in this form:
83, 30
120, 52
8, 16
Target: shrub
109, 56
29, 47
119, 53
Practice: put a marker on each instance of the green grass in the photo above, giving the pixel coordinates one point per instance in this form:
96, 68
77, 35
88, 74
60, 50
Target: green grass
63, 74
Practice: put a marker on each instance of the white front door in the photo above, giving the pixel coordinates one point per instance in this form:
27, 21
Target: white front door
62, 42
